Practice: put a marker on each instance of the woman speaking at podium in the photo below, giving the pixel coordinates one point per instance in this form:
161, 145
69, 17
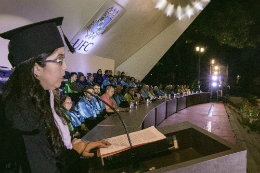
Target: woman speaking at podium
31, 112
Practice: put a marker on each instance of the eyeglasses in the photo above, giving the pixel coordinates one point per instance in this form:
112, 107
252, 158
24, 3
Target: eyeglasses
60, 62
69, 103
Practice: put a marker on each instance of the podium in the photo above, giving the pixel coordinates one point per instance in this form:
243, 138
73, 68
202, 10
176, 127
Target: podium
187, 148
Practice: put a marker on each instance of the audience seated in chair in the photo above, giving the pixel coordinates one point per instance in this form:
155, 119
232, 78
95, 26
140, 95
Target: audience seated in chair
138, 94
90, 79
132, 82
155, 91
98, 78
97, 89
118, 96
151, 93
82, 81
123, 82
107, 73
107, 82
137, 83
129, 95
160, 90
107, 97
114, 82
89, 109
75, 124
123, 75
119, 82
71, 86
144, 91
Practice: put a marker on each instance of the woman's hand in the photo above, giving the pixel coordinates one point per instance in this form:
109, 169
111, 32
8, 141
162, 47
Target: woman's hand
79, 147
92, 145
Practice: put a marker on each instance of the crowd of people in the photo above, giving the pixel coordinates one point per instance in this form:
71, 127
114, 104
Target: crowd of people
120, 92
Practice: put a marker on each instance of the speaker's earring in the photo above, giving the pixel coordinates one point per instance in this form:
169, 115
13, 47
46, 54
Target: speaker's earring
36, 75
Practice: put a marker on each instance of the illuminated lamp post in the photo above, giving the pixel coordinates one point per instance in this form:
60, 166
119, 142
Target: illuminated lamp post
210, 70
199, 50
214, 78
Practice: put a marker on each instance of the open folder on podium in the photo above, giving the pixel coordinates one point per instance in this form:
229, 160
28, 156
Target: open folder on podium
120, 143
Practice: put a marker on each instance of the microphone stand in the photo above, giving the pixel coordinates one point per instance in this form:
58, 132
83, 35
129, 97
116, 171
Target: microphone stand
133, 154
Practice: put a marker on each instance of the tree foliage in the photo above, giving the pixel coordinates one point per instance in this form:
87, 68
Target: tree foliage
232, 23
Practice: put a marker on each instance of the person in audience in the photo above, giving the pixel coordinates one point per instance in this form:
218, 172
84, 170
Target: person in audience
123, 82
107, 97
88, 109
71, 86
160, 90
107, 72
140, 97
74, 123
41, 141
136, 83
151, 93
98, 78
101, 104
97, 92
166, 90
123, 90
144, 91
82, 81
129, 95
110, 72
97, 89
128, 81
132, 82
155, 91
107, 82
118, 96
119, 82
114, 82
90, 79
170, 89
178, 89
123, 75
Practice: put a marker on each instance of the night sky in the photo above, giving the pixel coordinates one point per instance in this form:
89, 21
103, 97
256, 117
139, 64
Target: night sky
230, 33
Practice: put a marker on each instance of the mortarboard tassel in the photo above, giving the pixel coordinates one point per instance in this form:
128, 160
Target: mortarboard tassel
72, 50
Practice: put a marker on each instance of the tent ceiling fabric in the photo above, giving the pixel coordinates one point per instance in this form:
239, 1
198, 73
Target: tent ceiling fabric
128, 38
140, 23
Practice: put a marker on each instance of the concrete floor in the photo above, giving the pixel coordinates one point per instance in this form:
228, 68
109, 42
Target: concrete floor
209, 116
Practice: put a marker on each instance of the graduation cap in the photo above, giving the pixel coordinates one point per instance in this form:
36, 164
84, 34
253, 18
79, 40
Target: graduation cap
34, 39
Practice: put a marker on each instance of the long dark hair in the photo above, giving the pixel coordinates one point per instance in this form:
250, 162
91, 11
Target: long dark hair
99, 74
22, 84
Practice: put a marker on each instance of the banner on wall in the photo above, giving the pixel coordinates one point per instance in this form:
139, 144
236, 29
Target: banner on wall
92, 31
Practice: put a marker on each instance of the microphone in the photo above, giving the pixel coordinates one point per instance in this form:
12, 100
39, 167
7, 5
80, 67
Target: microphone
135, 165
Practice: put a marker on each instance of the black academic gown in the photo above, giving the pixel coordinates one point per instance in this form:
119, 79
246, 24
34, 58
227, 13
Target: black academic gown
22, 115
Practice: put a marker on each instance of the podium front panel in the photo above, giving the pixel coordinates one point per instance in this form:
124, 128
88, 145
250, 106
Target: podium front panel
189, 100
181, 103
160, 113
149, 119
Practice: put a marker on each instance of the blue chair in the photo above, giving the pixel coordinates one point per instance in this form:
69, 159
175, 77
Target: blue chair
5, 72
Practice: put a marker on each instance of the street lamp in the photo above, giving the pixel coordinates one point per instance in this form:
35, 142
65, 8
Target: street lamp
212, 78
199, 49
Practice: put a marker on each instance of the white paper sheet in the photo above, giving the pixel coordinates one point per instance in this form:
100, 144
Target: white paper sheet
120, 143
